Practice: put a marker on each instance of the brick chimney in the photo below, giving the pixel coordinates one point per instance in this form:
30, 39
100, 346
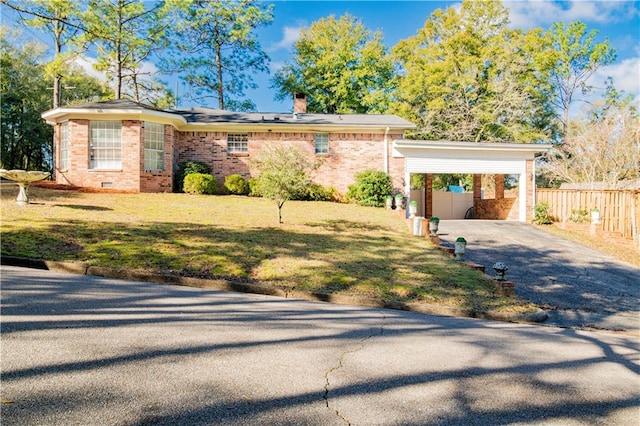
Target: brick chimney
299, 103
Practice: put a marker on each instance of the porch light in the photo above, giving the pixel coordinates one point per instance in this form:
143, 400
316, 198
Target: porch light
501, 269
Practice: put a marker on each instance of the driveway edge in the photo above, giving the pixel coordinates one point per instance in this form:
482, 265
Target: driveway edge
225, 285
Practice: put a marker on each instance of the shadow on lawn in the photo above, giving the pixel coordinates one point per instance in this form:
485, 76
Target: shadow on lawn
350, 257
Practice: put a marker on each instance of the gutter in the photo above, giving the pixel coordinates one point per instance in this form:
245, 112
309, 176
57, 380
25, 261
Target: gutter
386, 150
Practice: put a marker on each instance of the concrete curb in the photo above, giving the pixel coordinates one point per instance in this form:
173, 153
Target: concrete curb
225, 285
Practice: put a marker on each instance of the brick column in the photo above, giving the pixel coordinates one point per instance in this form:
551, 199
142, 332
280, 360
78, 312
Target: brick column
428, 195
499, 183
477, 194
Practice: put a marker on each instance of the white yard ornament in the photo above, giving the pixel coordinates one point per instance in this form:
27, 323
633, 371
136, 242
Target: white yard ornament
23, 179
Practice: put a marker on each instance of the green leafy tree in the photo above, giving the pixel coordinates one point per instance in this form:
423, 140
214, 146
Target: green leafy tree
576, 57
25, 138
468, 77
80, 87
341, 66
126, 33
58, 18
284, 174
217, 52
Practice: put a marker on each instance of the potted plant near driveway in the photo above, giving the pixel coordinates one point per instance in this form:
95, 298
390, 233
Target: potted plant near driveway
460, 246
413, 208
434, 223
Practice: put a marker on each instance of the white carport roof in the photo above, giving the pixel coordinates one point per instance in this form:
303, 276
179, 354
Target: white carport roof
465, 157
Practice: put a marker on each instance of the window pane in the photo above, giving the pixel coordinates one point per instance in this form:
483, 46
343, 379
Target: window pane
64, 146
237, 143
322, 143
153, 146
105, 144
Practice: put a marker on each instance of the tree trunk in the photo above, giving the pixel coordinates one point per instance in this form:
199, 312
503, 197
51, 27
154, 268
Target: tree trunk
218, 65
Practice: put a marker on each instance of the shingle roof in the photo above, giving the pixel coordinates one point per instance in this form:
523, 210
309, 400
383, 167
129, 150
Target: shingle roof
211, 116
206, 115
116, 104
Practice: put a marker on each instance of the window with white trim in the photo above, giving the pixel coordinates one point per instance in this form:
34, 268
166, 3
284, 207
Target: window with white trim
322, 143
64, 146
105, 145
237, 143
153, 146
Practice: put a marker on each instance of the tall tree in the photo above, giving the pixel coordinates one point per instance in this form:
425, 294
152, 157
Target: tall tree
604, 148
467, 77
341, 66
59, 18
25, 139
126, 33
217, 50
577, 56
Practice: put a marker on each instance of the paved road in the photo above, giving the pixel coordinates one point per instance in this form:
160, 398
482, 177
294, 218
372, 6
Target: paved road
580, 286
84, 350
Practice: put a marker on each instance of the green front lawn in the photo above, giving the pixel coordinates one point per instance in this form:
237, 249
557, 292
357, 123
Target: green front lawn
328, 247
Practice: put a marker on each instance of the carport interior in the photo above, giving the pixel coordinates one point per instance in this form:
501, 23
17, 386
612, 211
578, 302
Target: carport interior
477, 158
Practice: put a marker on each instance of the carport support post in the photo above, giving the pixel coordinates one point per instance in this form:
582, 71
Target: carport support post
428, 195
477, 193
499, 183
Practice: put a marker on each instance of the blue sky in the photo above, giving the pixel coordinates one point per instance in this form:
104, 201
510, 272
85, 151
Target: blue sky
619, 21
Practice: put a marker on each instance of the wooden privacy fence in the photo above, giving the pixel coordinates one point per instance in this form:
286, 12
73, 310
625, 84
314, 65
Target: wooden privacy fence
619, 209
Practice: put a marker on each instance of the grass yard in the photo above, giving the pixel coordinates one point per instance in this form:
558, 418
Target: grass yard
329, 247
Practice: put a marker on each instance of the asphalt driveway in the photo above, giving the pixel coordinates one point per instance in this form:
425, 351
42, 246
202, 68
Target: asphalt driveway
86, 350
577, 285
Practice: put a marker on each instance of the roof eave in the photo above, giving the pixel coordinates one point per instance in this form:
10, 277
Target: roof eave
472, 146
59, 115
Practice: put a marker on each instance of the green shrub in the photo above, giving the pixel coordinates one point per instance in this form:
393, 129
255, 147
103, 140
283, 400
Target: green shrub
200, 183
317, 192
236, 184
187, 168
542, 214
370, 188
579, 216
254, 190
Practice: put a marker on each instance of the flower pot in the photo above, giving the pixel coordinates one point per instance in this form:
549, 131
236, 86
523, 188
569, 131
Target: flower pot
389, 202
413, 210
459, 249
433, 227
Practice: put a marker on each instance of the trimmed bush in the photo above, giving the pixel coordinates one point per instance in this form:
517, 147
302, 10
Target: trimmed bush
236, 184
254, 190
200, 183
187, 168
317, 192
542, 213
370, 188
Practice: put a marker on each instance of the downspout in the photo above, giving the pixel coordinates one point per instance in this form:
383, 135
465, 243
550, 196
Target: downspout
386, 150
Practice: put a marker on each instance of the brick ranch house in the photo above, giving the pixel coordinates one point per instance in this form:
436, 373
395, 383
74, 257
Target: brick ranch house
125, 145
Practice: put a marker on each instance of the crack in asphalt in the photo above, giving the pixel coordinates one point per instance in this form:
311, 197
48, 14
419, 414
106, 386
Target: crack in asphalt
340, 365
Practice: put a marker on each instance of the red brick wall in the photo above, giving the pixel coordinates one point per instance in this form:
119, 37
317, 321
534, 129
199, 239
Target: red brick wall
349, 153
159, 180
79, 173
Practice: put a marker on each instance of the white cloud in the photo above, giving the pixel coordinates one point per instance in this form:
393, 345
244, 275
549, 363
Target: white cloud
274, 67
87, 63
532, 13
289, 36
625, 74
